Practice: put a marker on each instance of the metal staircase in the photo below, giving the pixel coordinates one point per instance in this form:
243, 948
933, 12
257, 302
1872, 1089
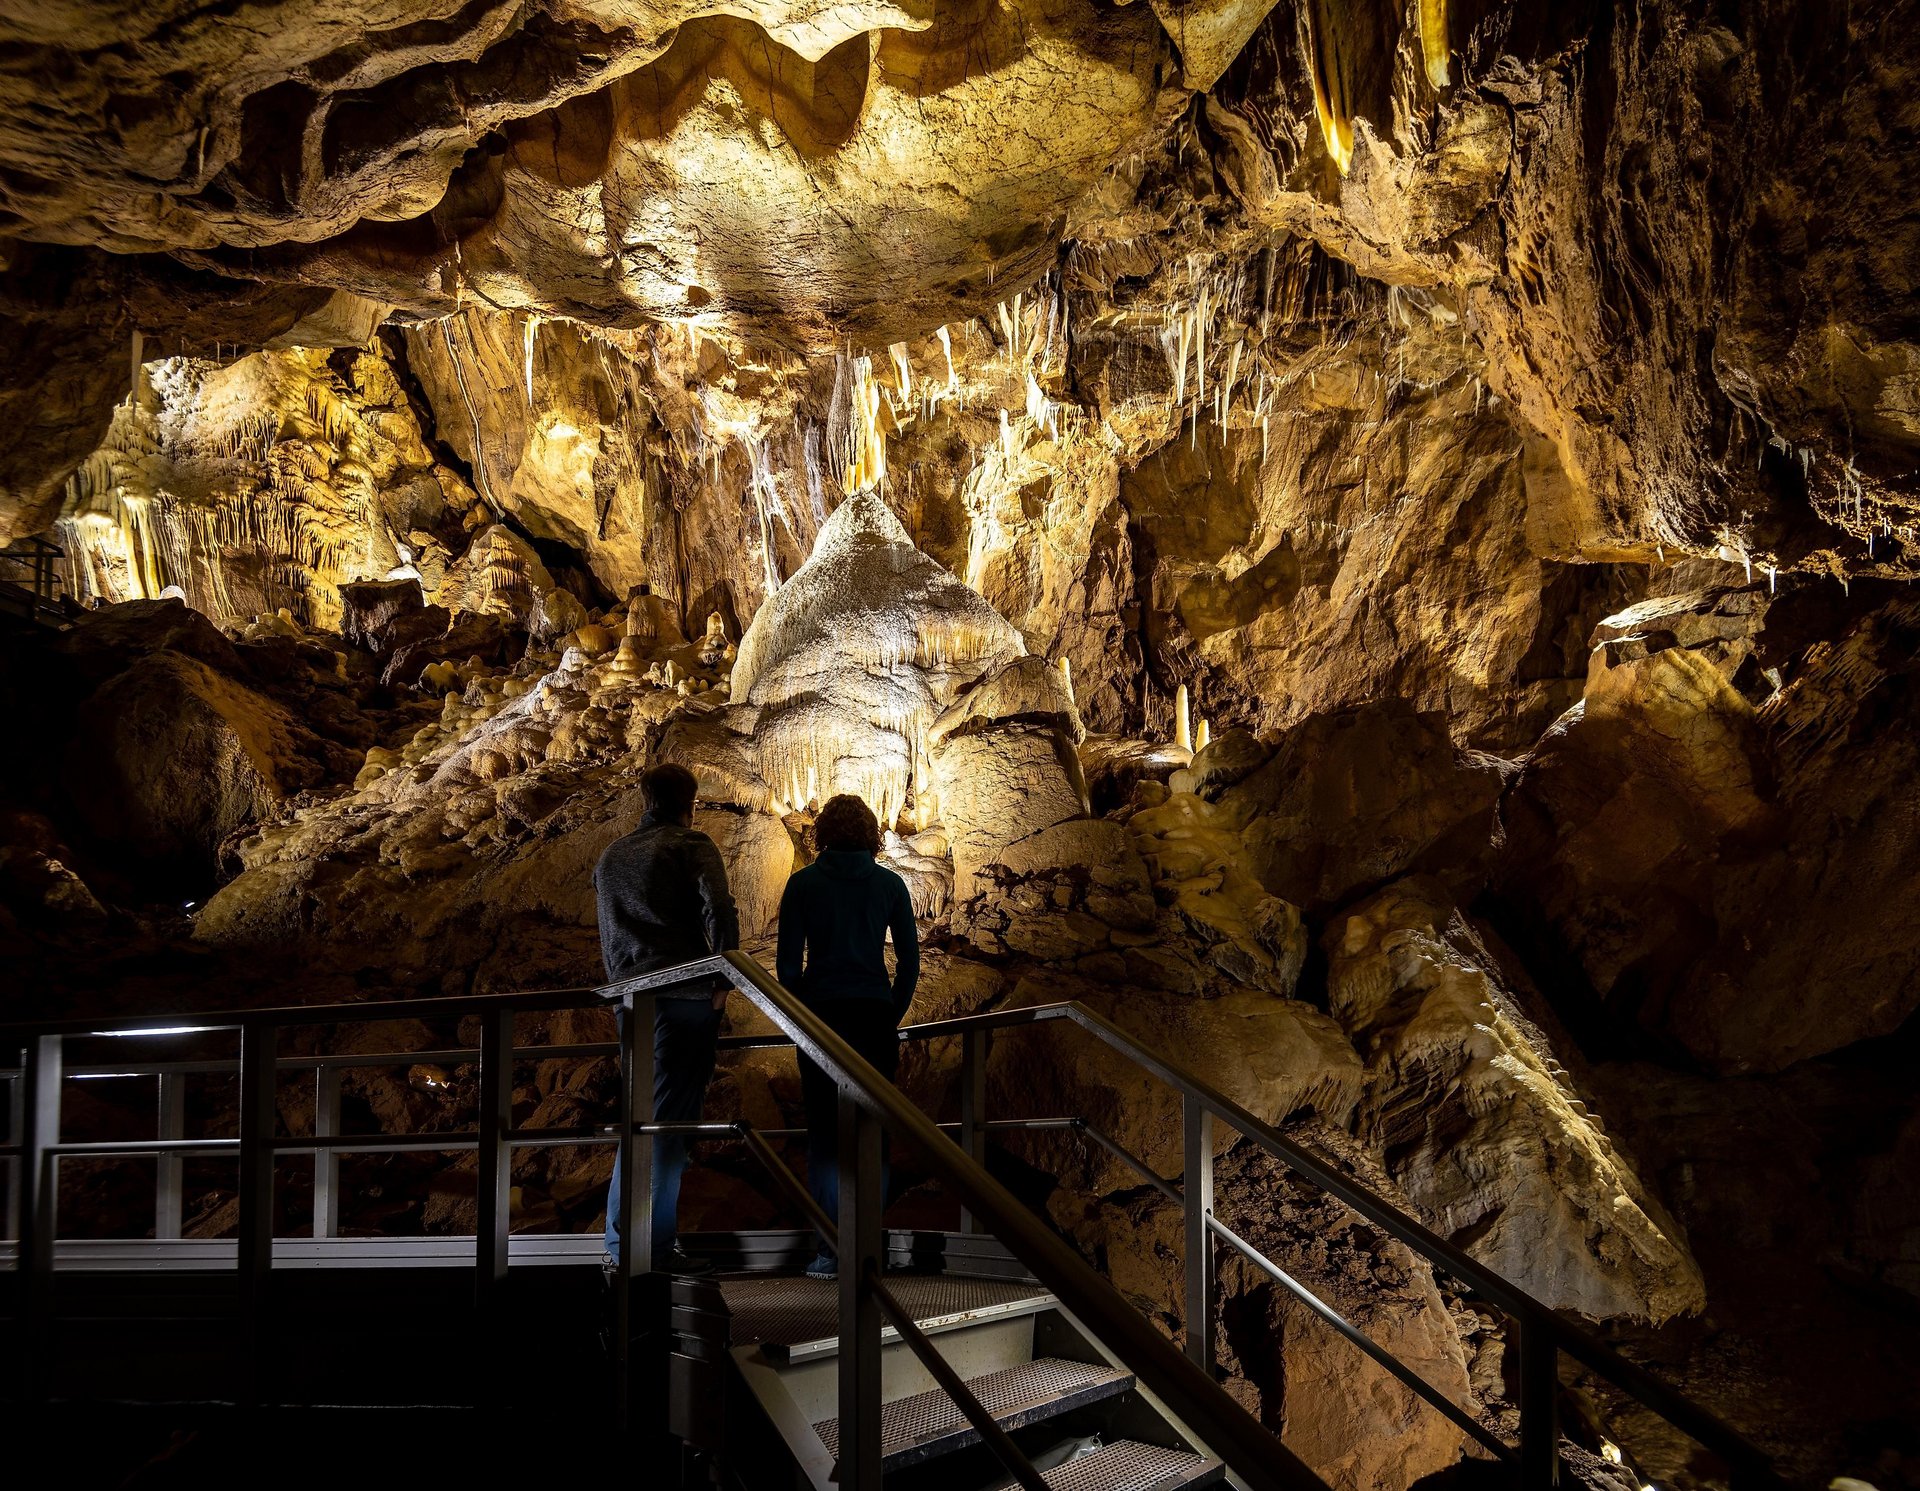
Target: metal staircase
1073, 1410
988, 1357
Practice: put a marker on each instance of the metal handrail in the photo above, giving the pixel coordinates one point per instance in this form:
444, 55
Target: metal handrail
1544, 1333
1253, 1454
1537, 1319
984, 1424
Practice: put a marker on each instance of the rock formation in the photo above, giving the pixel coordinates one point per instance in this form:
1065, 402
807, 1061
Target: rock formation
1367, 544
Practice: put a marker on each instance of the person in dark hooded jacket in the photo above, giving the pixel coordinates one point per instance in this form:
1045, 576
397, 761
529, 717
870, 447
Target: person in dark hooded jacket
834, 920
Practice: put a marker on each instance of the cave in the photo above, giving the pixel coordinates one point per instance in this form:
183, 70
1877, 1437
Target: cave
1358, 558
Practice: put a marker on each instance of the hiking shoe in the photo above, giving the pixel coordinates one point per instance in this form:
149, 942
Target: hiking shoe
824, 1266
676, 1261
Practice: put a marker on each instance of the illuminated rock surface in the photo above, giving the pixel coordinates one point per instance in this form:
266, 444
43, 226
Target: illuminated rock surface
1364, 543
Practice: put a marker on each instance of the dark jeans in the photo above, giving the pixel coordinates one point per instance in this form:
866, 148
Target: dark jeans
684, 1033
871, 1028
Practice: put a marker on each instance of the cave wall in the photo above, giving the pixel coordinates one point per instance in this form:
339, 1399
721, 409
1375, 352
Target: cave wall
1405, 511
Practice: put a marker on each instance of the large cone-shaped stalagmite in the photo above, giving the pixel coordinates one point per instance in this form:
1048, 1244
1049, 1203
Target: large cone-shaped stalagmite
853, 659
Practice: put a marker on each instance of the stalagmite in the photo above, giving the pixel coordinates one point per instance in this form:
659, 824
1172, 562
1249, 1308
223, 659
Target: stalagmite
850, 663
1182, 720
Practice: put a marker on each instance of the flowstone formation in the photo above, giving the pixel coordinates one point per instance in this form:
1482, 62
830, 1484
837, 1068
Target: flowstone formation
847, 667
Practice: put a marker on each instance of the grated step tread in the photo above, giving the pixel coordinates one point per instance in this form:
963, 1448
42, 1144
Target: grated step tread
791, 1317
926, 1424
1128, 1465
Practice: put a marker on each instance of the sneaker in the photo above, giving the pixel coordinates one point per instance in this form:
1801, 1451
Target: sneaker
824, 1266
675, 1261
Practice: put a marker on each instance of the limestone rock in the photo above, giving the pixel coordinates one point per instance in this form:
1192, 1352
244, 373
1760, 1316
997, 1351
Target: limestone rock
1351, 800
488, 637
1658, 830
1028, 690
170, 758
1058, 895
1349, 1420
102, 642
1000, 787
1274, 1056
1229, 758
381, 615
759, 855
259, 485
1480, 1126
1197, 854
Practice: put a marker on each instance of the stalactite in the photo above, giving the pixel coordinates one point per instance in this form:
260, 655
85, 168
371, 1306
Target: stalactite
1326, 65
1433, 40
484, 481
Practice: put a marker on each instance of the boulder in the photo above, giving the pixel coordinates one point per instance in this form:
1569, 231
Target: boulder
1349, 801
1703, 865
1000, 786
1480, 1124
101, 643
383, 615
1229, 758
1114, 767
1059, 894
489, 638
555, 614
169, 758
1028, 690
759, 855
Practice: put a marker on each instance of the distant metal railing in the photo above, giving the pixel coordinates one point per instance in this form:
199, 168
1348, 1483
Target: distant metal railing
35, 563
868, 1103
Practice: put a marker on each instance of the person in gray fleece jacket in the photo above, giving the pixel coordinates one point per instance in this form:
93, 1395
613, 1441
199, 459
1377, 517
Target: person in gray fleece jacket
664, 900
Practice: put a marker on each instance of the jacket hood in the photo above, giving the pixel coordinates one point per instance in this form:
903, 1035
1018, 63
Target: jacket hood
846, 864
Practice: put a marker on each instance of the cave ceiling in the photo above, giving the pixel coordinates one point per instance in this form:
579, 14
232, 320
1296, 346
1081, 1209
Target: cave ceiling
1677, 241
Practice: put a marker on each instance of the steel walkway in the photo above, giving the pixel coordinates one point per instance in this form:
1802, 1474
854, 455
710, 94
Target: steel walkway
1002, 1354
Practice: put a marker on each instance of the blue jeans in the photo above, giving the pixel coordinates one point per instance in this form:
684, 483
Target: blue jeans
872, 1028
684, 1036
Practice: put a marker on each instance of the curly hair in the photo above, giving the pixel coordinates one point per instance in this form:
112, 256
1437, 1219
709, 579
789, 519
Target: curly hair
846, 823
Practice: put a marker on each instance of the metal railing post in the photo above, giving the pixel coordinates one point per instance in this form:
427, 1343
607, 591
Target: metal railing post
1197, 1198
634, 1219
326, 1162
39, 1198
860, 1259
170, 1170
973, 1108
259, 1041
493, 1211
1539, 1405
16, 1126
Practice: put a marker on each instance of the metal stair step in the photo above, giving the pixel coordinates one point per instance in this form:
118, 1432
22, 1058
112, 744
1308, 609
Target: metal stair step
1128, 1465
797, 1319
927, 1424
